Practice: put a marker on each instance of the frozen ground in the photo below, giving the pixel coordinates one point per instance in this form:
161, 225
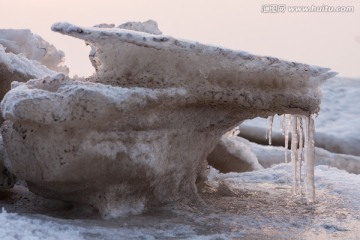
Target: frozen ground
253, 205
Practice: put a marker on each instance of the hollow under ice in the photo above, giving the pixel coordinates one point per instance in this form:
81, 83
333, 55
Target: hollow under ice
138, 131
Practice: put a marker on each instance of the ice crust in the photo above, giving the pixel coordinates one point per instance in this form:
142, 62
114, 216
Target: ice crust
138, 131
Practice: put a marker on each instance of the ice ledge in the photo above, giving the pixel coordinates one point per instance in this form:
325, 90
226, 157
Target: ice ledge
96, 35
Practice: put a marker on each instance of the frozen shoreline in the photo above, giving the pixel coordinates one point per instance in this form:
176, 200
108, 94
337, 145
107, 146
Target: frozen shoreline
248, 205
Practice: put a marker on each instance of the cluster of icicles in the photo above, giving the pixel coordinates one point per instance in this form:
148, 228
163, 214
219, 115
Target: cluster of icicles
302, 150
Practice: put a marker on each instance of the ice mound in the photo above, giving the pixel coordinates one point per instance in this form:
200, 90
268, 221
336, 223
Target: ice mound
138, 131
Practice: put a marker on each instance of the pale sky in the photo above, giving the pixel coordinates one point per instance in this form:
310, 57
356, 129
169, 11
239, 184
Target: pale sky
323, 39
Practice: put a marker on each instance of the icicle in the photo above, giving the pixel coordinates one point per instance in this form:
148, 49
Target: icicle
270, 124
306, 134
300, 154
302, 147
282, 123
309, 158
286, 130
294, 154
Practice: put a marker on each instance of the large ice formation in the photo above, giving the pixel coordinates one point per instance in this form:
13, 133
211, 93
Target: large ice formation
138, 131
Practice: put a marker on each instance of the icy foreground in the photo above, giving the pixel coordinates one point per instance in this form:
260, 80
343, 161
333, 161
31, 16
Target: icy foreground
254, 205
137, 132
